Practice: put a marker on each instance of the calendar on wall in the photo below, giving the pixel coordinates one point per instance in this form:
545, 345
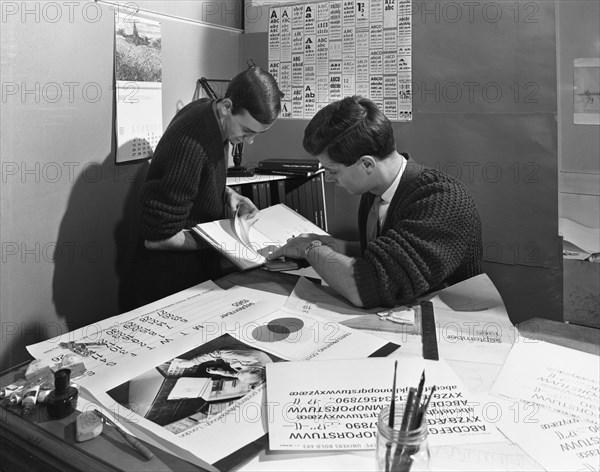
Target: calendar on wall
323, 51
138, 74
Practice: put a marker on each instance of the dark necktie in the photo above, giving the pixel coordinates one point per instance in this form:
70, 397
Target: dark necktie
373, 220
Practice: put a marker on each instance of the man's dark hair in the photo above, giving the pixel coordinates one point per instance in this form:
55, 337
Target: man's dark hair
348, 129
256, 91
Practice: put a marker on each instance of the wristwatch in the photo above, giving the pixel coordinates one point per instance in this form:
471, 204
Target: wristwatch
313, 244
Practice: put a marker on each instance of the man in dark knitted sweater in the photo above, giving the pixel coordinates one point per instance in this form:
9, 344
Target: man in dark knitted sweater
186, 185
419, 228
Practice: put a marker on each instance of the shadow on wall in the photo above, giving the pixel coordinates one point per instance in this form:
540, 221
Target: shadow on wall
96, 242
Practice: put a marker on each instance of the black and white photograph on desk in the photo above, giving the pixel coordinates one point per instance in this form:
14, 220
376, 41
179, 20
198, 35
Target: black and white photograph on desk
187, 390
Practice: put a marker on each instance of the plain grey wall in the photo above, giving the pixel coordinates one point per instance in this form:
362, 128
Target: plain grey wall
68, 213
484, 106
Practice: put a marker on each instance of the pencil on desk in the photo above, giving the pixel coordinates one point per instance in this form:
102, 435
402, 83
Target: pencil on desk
131, 440
392, 414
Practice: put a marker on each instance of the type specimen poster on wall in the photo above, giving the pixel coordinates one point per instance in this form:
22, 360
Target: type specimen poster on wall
323, 51
138, 73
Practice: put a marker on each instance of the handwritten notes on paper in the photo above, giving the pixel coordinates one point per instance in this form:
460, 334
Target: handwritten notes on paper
225, 337
334, 405
555, 441
560, 387
554, 377
132, 336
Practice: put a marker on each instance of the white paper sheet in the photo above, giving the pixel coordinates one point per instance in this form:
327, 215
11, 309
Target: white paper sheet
554, 377
242, 227
307, 297
502, 456
151, 347
558, 442
471, 320
494, 457
150, 332
583, 237
335, 405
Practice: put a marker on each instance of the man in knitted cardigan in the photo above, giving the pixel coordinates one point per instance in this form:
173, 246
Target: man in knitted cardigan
419, 228
186, 185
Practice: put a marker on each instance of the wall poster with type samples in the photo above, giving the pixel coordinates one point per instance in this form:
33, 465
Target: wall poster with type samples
138, 74
323, 51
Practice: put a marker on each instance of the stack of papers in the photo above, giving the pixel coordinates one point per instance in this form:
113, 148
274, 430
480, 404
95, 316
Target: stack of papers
551, 404
230, 336
579, 241
247, 243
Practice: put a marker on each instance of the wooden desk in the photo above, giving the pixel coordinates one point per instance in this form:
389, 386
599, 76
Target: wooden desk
582, 338
39, 444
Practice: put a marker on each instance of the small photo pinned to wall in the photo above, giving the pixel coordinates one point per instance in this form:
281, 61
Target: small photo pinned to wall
586, 91
138, 74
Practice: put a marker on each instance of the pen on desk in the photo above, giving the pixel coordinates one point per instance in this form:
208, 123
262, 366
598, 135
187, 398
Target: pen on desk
133, 442
393, 402
392, 414
72, 344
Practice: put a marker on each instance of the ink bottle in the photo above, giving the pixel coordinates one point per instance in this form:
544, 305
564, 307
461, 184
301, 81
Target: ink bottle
61, 401
401, 451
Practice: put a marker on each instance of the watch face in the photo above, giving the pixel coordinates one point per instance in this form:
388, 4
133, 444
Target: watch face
311, 245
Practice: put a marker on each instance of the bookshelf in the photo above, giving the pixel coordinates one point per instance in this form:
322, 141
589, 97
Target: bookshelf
305, 195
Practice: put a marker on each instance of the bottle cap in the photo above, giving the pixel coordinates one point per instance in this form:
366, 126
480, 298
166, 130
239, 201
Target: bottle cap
62, 380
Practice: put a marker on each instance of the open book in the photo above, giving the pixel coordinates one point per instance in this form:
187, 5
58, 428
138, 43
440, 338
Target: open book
247, 243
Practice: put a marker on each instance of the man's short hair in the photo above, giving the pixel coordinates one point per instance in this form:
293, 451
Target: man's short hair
256, 91
348, 129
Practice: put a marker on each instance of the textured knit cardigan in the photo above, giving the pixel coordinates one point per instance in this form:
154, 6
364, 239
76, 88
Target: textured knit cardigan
185, 185
186, 180
431, 238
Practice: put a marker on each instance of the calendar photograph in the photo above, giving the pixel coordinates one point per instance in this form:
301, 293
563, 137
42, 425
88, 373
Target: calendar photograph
586, 91
138, 74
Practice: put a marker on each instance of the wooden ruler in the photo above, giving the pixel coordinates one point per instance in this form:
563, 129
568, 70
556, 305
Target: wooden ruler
428, 335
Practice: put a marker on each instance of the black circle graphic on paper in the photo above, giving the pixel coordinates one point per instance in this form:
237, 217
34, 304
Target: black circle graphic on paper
277, 330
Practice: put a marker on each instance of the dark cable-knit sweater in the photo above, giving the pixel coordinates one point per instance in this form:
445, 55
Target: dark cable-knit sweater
185, 185
431, 238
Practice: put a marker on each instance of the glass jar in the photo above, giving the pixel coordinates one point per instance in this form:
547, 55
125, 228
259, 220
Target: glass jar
400, 451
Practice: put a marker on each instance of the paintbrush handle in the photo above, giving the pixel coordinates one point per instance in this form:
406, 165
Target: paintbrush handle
136, 444
131, 440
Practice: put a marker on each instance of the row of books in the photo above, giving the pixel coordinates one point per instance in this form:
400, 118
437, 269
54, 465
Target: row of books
291, 167
303, 195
